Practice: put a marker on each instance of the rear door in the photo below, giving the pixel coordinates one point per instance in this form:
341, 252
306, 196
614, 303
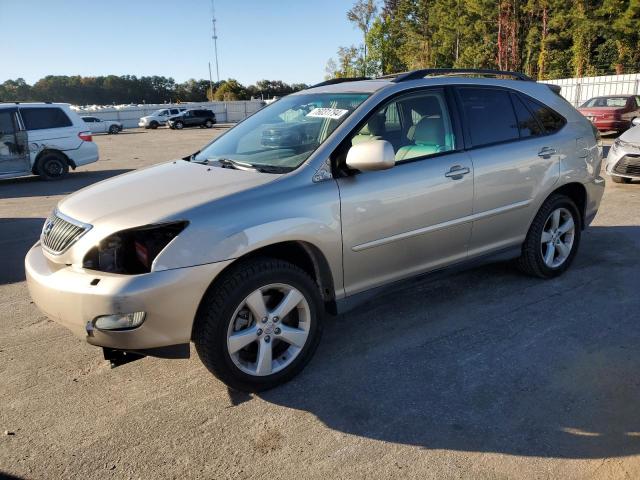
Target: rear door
516, 160
14, 152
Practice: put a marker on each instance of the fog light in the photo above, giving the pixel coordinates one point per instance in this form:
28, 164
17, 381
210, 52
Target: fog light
120, 321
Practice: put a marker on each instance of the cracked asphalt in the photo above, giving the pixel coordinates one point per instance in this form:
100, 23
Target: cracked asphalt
485, 374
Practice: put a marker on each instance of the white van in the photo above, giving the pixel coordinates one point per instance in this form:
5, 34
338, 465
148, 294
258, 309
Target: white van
160, 117
44, 139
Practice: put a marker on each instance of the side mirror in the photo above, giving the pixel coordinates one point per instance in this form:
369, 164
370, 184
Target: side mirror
635, 122
371, 155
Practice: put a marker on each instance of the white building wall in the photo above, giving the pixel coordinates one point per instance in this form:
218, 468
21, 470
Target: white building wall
579, 90
226, 112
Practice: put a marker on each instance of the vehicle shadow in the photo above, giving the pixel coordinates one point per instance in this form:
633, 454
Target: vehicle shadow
8, 476
491, 360
17, 235
34, 186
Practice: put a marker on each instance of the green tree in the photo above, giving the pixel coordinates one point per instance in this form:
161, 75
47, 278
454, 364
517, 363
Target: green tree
361, 15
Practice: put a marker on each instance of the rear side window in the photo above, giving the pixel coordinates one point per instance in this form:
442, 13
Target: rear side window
527, 122
550, 120
44, 117
489, 114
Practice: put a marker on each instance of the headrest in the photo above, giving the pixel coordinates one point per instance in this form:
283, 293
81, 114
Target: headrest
429, 131
375, 126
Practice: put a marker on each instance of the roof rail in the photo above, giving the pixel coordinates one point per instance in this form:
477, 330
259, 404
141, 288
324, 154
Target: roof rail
333, 81
418, 74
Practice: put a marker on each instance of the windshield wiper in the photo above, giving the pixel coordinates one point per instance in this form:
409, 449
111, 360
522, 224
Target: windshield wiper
228, 162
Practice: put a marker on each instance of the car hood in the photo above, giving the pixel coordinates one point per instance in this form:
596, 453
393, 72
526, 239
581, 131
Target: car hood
159, 193
632, 135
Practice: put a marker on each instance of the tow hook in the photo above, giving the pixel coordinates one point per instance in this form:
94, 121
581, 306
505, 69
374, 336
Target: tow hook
120, 357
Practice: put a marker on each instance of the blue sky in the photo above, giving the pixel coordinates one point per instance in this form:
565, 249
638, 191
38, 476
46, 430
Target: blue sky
288, 40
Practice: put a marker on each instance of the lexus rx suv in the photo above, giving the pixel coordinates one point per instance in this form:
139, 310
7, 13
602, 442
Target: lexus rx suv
310, 204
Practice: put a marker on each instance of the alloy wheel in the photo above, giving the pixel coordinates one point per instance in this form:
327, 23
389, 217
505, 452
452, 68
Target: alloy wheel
557, 237
269, 329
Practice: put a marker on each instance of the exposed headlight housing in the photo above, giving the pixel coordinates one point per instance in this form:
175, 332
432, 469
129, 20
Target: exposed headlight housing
132, 251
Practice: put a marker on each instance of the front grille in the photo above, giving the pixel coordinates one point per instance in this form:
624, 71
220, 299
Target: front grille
628, 165
60, 232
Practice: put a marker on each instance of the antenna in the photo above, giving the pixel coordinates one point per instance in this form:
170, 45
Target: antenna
215, 38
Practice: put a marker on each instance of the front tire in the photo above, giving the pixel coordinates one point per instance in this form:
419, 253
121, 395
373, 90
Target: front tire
553, 238
52, 166
153, 125
208, 124
179, 125
259, 324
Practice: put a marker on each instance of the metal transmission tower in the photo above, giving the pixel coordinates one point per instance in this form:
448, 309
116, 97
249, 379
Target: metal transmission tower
215, 39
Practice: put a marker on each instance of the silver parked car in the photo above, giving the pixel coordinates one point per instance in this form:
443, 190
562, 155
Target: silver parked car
309, 204
623, 160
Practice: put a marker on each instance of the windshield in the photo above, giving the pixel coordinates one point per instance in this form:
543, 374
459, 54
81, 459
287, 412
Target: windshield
284, 134
606, 102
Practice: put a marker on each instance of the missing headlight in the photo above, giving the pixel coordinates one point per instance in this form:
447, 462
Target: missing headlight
132, 251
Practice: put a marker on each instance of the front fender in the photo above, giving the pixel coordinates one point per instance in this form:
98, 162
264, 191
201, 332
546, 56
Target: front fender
309, 213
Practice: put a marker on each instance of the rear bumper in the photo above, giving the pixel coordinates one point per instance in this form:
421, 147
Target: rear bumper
607, 125
86, 153
74, 297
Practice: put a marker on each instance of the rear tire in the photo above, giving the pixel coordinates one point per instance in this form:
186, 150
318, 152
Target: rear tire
229, 308
52, 166
553, 238
114, 129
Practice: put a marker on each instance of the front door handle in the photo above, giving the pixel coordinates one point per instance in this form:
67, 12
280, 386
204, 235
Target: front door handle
457, 172
546, 152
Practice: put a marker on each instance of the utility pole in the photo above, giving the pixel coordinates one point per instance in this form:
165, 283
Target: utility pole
215, 40
210, 96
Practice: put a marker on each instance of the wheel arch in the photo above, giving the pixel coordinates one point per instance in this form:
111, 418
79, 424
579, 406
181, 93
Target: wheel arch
304, 255
578, 193
48, 150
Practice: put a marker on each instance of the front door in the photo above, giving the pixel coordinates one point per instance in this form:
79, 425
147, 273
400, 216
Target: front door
414, 217
14, 152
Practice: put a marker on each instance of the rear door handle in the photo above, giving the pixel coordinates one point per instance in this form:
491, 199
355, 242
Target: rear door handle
457, 172
546, 152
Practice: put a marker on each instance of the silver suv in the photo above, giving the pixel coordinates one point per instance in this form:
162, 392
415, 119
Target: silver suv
308, 205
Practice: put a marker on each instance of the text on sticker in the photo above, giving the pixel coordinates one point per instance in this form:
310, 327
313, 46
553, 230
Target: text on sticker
333, 113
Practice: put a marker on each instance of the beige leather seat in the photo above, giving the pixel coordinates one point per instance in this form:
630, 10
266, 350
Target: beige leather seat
373, 130
428, 138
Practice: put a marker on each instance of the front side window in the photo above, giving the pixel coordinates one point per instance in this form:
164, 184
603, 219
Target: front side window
175, 111
416, 125
489, 114
281, 136
39, 118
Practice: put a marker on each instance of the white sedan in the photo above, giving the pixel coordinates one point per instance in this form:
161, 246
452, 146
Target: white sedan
97, 125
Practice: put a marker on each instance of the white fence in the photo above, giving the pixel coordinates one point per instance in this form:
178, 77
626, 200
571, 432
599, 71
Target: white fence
579, 90
226, 112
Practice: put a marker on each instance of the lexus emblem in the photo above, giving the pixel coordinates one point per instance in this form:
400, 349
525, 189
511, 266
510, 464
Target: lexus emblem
48, 226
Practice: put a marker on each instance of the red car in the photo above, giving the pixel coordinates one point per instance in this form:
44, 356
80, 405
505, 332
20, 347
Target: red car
614, 112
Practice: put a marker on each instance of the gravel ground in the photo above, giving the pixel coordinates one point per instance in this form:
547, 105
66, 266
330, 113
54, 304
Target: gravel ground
483, 375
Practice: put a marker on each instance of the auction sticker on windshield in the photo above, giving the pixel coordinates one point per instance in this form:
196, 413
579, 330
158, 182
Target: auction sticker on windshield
333, 113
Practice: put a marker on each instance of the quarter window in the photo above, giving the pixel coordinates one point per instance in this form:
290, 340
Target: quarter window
527, 122
489, 115
40, 118
550, 120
